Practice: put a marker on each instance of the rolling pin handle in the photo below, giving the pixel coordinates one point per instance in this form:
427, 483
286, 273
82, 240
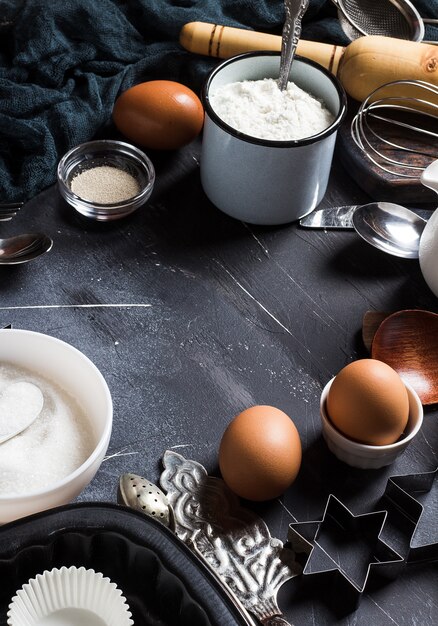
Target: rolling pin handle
225, 41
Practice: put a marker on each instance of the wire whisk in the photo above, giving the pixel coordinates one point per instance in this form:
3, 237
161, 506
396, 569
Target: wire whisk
396, 127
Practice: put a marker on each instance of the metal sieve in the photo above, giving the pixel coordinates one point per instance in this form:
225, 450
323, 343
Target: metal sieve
391, 18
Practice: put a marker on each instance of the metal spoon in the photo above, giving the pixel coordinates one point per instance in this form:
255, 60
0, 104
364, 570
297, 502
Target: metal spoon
390, 227
23, 248
294, 10
429, 176
27, 402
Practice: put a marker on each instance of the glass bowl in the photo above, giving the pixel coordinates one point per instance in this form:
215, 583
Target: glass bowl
114, 154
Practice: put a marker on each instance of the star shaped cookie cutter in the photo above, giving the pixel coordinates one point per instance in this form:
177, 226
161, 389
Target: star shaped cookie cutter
405, 527
346, 547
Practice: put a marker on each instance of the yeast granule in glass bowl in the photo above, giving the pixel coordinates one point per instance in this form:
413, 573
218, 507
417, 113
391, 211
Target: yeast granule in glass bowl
105, 180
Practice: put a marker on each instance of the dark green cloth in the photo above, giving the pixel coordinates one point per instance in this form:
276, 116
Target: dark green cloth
64, 62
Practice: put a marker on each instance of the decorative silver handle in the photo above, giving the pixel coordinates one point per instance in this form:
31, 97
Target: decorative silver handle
234, 542
276, 621
294, 10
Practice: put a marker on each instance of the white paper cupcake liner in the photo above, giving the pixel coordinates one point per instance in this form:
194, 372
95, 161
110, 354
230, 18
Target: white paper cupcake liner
69, 597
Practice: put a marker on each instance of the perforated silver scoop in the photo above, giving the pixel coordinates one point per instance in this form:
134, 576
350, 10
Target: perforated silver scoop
390, 18
142, 495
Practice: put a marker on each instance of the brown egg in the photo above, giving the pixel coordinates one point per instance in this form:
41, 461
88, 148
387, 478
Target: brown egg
368, 402
260, 453
159, 114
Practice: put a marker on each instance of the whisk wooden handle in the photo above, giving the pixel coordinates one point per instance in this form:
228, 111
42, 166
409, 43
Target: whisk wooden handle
362, 66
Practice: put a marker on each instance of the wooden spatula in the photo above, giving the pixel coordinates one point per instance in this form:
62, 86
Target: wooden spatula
408, 342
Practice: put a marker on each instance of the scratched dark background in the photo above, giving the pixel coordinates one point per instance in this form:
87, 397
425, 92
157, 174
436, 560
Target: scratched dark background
232, 315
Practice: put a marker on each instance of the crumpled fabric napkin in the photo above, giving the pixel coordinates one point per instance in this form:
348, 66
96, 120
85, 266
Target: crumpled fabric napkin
63, 64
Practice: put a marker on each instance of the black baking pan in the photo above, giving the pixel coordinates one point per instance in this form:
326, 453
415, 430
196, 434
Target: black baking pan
163, 581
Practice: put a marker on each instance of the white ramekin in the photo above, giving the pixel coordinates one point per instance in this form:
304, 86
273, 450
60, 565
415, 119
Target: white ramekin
366, 456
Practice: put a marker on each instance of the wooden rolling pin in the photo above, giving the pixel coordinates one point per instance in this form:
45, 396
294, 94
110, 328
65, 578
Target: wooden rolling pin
362, 66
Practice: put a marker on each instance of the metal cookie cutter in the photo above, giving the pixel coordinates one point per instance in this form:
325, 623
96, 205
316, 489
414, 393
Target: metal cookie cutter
346, 547
232, 541
411, 502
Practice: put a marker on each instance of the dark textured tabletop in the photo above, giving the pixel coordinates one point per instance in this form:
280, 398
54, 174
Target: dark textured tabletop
192, 317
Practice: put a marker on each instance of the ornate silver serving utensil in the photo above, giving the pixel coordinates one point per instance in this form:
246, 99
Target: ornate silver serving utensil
232, 541
294, 11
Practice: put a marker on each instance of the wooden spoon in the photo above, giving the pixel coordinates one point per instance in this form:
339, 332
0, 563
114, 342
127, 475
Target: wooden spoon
408, 342
370, 323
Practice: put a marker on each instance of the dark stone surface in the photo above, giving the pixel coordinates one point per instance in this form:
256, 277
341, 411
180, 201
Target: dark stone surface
209, 316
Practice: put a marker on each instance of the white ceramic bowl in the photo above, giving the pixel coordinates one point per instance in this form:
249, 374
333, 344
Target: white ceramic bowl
262, 181
366, 456
69, 597
71, 370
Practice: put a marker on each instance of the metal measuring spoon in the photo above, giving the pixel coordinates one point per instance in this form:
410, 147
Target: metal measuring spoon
390, 227
23, 248
294, 10
27, 401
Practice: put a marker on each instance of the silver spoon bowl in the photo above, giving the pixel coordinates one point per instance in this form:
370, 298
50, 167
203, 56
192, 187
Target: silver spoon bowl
23, 248
390, 227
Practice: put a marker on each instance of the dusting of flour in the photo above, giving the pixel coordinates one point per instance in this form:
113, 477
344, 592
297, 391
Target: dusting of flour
56, 444
260, 109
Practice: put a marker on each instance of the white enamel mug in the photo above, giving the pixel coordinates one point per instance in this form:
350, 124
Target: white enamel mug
262, 181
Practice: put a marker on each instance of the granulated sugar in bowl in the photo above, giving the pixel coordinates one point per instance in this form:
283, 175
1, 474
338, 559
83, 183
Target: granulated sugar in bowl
266, 154
50, 462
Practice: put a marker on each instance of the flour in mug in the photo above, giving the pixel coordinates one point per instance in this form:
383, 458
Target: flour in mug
260, 109
51, 448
